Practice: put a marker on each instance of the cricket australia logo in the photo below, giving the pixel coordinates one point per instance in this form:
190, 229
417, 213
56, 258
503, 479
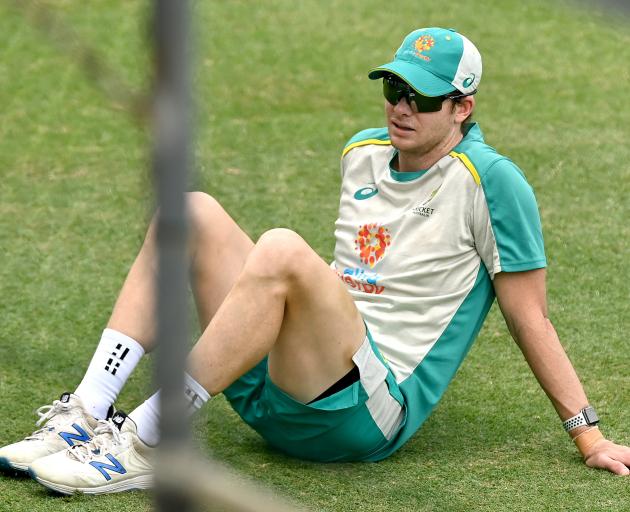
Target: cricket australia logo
423, 210
424, 44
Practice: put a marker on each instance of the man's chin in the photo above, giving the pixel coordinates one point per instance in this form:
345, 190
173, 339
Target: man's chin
401, 143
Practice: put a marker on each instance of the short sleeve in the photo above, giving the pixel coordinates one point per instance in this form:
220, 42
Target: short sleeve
506, 222
378, 136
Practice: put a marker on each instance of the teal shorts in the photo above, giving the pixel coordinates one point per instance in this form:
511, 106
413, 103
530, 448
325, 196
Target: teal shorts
356, 423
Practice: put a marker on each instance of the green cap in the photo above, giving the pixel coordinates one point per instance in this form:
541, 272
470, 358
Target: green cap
435, 61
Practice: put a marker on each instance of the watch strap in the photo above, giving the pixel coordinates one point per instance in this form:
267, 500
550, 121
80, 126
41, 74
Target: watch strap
586, 417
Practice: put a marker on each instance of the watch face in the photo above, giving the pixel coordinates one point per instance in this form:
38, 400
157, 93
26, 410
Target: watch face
590, 416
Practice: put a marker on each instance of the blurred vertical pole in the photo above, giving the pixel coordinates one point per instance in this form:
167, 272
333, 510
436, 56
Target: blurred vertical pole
171, 162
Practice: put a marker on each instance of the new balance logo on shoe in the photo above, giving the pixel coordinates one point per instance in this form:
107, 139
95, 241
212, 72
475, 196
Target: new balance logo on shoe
118, 419
71, 438
116, 466
113, 363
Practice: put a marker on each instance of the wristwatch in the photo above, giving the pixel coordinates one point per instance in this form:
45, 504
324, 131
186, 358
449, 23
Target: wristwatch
586, 417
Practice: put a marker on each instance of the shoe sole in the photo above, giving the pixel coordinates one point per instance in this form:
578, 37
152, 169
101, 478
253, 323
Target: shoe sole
7, 465
131, 484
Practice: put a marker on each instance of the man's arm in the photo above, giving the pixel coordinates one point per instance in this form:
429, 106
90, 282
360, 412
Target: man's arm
523, 302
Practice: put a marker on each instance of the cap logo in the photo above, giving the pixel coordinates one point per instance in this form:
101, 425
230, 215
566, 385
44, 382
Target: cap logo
469, 81
424, 44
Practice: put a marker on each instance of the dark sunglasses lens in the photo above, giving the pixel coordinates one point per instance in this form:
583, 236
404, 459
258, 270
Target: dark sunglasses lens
394, 90
428, 104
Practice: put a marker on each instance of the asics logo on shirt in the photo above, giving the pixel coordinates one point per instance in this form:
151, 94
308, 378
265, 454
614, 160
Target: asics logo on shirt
365, 193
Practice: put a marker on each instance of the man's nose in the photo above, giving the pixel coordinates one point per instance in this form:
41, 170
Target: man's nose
403, 106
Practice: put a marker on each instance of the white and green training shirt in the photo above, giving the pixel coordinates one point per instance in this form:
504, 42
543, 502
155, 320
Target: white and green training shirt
418, 250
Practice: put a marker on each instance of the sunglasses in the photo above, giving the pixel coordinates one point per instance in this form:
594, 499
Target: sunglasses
394, 89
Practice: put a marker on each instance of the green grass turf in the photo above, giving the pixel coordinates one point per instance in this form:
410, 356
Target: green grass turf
281, 85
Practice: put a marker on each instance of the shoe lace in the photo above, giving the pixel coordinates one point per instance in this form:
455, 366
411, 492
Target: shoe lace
46, 414
106, 436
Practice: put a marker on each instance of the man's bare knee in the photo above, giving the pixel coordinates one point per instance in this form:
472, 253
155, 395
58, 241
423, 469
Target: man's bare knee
202, 209
210, 224
280, 253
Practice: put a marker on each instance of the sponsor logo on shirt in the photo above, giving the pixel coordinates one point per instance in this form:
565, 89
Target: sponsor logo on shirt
371, 243
424, 211
362, 280
365, 193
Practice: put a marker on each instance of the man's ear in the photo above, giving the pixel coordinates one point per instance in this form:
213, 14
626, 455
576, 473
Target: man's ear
465, 108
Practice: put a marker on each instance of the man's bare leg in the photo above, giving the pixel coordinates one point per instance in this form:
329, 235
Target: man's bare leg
218, 248
289, 304
277, 298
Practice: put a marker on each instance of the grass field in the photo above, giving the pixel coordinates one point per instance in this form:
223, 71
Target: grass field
280, 86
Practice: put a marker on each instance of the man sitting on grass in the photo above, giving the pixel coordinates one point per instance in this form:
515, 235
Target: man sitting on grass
340, 362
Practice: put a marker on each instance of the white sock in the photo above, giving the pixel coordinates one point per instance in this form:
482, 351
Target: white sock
113, 361
147, 415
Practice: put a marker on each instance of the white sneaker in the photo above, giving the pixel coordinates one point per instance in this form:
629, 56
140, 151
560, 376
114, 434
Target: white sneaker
115, 460
64, 423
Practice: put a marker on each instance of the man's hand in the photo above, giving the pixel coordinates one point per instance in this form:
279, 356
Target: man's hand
605, 454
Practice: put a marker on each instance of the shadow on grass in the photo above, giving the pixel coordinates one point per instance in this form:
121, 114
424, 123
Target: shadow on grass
13, 473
